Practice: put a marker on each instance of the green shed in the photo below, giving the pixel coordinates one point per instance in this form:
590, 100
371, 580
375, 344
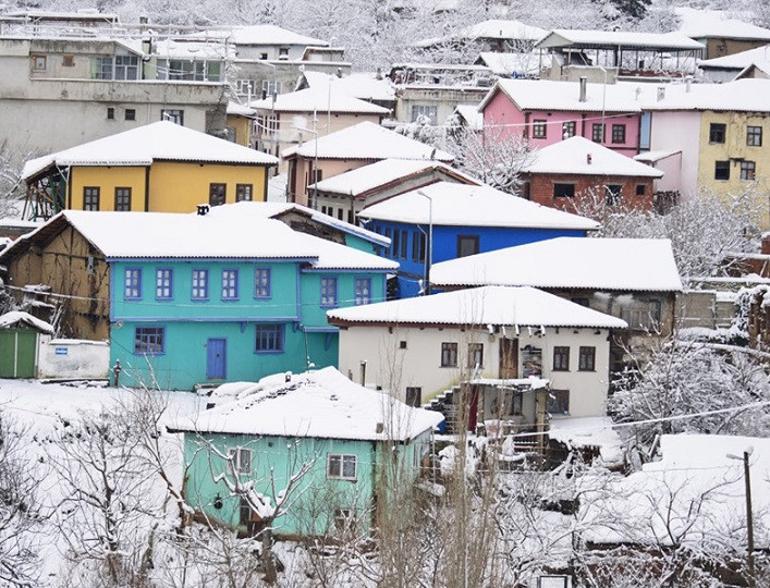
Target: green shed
19, 333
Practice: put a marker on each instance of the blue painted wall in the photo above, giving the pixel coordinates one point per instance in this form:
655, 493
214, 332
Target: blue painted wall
445, 240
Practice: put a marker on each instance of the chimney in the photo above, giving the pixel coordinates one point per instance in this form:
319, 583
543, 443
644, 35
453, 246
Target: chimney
583, 88
588, 158
688, 84
379, 428
379, 74
203, 209
339, 72
287, 377
661, 93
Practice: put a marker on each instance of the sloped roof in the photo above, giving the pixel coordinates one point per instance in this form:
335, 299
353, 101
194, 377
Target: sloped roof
702, 24
739, 61
236, 109
503, 29
361, 85
488, 305
260, 34
470, 113
14, 318
475, 206
212, 50
642, 265
318, 99
162, 141
559, 38
367, 140
505, 64
321, 404
578, 155
743, 95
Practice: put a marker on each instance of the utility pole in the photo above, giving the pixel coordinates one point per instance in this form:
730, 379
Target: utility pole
749, 516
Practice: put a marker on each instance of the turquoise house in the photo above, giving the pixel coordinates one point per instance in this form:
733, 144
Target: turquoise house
302, 454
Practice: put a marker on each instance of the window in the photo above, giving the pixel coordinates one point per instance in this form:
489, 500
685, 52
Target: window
643, 315
404, 243
539, 129
200, 284
329, 292
262, 282
748, 170
344, 518
39, 63
558, 402
475, 355
754, 136
173, 115
243, 192
425, 112
612, 194
341, 467
449, 355
561, 359
68, 61
123, 199
149, 340
241, 459
394, 244
132, 284
230, 284
618, 133
110, 113
130, 114
126, 67
467, 245
597, 133
263, 56
721, 170
163, 278
418, 246
91, 198
641, 189
363, 292
587, 359
217, 194
717, 133
102, 68
270, 87
563, 190
283, 53
402, 344
568, 129
413, 396
269, 338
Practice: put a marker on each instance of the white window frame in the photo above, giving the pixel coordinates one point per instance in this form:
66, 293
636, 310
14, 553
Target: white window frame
235, 455
342, 457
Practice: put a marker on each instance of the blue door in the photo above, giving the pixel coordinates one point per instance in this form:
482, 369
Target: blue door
215, 365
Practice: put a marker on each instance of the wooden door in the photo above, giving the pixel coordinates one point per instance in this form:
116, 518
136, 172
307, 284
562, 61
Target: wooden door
509, 358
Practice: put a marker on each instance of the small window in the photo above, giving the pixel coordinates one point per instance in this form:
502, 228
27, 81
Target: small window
717, 133
618, 134
149, 340
558, 402
123, 199
402, 344
217, 194
395, 246
341, 467
262, 282
597, 133
173, 115
748, 170
200, 284
241, 459
568, 129
612, 194
130, 114
163, 278
91, 198
243, 192
754, 136
263, 56
132, 284
475, 355
39, 63
230, 284
269, 338
587, 359
563, 190
363, 291
428, 113
283, 52
721, 170
110, 113
449, 355
329, 292
539, 129
404, 243
344, 518
641, 190
467, 245
561, 358
413, 396
68, 61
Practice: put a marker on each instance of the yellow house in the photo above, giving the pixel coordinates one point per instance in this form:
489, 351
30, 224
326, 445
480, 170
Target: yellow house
240, 123
160, 167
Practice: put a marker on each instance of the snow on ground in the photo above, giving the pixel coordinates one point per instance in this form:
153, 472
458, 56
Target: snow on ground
589, 432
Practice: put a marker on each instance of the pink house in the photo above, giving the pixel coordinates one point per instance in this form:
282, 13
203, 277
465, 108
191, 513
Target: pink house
546, 112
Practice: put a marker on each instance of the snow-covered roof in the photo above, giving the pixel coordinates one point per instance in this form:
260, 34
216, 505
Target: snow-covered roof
320, 404
643, 265
505, 64
696, 490
158, 141
17, 317
702, 24
743, 95
456, 204
359, 181
565, 38
361, 85
367, 140
265, 210
233, 108
471, 115
655, 156
503, 29
738, 61
318, 99
565, 96
127, 235
488, 305
261, 34
578, 155
210, 51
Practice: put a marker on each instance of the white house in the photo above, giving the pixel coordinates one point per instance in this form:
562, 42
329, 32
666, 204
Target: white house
417, 347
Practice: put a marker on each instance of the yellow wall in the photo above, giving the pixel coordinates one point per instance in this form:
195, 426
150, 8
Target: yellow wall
242, 127
173, 186
107, 179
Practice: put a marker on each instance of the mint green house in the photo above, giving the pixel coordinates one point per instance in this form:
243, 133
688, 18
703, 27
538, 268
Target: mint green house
301, 454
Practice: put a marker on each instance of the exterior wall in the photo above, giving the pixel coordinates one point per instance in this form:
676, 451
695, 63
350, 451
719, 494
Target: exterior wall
500, 110
299, 174
107, 179
72, 358
672, 174
541, 190
719, 47
679, 131
241, 127
445, 99
393, 368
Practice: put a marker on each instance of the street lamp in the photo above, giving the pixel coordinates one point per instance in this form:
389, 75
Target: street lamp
749, 518
429, 252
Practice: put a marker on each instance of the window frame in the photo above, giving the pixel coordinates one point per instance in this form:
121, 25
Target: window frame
174, 115
127, 191
137, 288
158, 286
618, 134
559, 354
234, 454
262, 334
411, 391
715, 129
342, 457
360, 299
587, 358
613, 193
598, 127
258, 286
161, 334
748, 170
90, 192
449, 351
234, 273
110, 113
725, 166
205, 287
129, 114
568, 129
35, 62
560, 398
215, 186
475, 350
640, 192
240, 189
539, 129
474, 239
326, 301
754, 135
572, 186
430, 111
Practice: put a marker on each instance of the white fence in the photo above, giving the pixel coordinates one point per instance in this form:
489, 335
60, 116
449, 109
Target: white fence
72, 359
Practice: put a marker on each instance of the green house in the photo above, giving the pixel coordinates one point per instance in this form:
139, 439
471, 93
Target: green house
302, 454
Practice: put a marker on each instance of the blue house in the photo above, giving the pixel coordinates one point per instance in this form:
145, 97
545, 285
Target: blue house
463, 220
